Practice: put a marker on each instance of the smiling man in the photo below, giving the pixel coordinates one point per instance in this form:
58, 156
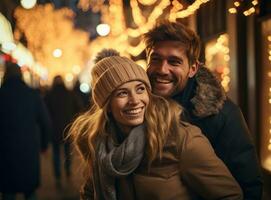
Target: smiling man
174, 71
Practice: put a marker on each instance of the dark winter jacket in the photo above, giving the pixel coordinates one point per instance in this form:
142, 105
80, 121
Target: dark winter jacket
63, 105
24, 130
207, 107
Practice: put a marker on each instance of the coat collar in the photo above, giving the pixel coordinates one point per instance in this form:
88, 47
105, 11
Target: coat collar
203, 95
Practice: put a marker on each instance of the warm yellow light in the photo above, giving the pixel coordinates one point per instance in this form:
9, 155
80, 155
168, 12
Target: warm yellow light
255, 2
269, 100
76, 69
226, 50
142, 63
28, 4
269, 38
147, 2
269, 147
226, 58
236, 3
226, 70
227, 79
232, 10
69, 77
269, 57
57, 53
103, 29
269, 89
251, 10
246, 13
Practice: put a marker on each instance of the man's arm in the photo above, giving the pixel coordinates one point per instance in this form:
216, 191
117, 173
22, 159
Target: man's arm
242, 159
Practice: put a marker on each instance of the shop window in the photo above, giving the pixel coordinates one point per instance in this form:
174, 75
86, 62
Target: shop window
217, 59
265, 101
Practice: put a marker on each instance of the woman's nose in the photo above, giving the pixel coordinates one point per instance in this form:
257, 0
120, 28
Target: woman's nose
133, 99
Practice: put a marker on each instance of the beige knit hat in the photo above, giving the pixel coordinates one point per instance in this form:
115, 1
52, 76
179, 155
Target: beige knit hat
111, 72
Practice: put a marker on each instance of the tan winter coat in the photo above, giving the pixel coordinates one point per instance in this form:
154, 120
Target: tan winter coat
194, 173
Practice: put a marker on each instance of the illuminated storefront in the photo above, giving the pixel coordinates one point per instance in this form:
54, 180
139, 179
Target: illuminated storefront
265, 98
217, 59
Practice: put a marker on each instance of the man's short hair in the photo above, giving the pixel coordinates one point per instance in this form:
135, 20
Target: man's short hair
174, 31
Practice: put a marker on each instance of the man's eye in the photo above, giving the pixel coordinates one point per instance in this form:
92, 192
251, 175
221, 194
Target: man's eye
155, 59
175, 62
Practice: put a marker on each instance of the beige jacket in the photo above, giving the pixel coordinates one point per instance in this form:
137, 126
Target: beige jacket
194, 173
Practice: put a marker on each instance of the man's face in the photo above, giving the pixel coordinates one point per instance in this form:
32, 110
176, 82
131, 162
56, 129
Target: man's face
168, 68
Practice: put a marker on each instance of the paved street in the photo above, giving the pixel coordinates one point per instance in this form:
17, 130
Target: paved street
70, 186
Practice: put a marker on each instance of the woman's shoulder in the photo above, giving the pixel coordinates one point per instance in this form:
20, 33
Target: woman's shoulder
190, 130
193, 138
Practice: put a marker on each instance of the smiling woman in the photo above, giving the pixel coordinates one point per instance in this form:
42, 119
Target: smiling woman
135, 146
128, 104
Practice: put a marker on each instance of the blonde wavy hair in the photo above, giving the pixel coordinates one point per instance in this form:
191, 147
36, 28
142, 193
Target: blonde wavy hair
162, 118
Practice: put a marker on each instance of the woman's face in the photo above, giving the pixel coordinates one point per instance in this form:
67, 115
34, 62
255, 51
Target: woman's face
128, 104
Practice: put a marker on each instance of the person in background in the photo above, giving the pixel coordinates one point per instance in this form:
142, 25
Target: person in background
134, 145
63, 105
174, 70
24, 133
83, 96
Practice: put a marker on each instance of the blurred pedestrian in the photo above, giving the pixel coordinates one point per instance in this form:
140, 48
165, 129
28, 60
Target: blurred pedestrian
24, 132
63, 106
85, 97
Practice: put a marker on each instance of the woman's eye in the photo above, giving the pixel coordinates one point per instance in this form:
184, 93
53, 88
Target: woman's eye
121, 94
141, 89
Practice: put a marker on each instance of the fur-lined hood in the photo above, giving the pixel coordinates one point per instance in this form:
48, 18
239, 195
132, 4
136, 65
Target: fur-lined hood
209, 95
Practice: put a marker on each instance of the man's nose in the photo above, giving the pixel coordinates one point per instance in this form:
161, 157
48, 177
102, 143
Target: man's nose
163, 67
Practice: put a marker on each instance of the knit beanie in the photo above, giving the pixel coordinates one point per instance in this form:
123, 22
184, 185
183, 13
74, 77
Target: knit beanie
111, 72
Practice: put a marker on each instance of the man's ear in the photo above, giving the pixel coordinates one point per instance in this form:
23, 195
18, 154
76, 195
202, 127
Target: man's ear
193, 70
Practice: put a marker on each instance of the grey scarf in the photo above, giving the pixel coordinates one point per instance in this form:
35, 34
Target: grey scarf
114, 160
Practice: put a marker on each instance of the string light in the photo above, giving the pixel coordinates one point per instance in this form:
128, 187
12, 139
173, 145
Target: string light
94, 5
137, 14
217, 59
232, 10
268, 39
247, 12
113, 15
191, 9
44, 34
236, 4
147, 2
176, 6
